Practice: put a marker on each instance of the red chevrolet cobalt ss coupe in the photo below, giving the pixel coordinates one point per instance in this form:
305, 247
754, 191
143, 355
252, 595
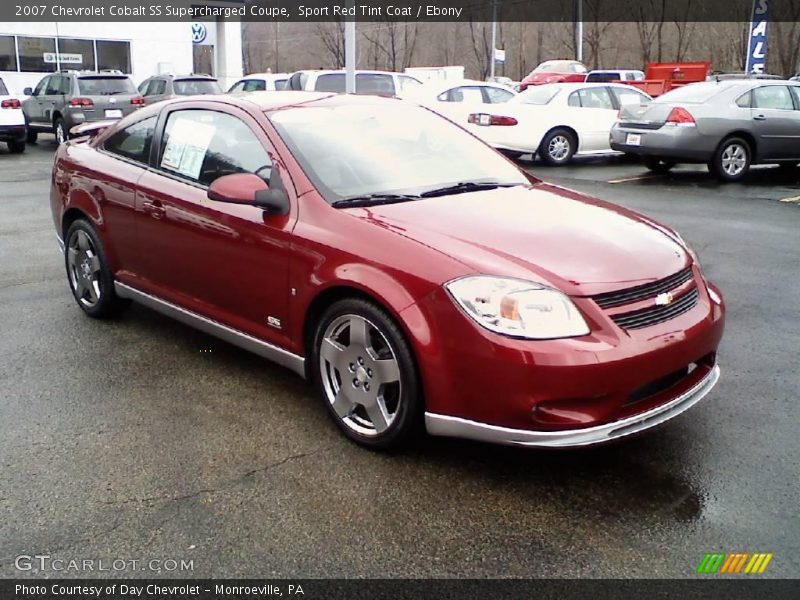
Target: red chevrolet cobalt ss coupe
413, 274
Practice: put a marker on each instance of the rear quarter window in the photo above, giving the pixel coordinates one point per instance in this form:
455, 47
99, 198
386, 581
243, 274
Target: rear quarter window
133, 142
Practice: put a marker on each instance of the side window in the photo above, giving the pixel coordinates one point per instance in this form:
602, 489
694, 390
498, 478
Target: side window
41, 86
254, 85
133, 142
158, 87
574, 99
408, 83
236, 87
497, 95
796, 91
374, 83
472, 95
203, 145
143, 87
627, 96
596, 97
57, 85
773, 96
744, 101
330, 82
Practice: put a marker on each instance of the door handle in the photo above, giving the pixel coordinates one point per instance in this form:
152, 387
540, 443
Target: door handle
760, 117
154, 209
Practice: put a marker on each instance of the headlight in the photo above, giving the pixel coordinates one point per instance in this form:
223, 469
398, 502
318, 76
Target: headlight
518, 308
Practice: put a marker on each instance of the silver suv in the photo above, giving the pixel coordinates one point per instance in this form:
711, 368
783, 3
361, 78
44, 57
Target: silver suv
63, 100
164, 87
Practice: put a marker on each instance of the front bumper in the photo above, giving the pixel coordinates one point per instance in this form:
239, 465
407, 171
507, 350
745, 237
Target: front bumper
569, 438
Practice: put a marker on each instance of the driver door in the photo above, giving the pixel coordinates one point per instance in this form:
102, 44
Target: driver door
224, 261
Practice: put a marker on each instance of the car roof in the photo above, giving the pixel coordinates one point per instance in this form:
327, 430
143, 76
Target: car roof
615, 71
342, 71
437, 87
266, 76
574, 85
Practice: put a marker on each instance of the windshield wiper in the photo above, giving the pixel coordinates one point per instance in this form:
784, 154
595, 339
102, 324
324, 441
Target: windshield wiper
373, 200
466, 186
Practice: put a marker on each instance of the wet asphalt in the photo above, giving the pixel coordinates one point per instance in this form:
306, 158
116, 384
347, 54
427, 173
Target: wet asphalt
142, 439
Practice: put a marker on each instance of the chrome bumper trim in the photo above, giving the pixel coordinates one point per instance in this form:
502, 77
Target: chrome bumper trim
464, 428
234, 336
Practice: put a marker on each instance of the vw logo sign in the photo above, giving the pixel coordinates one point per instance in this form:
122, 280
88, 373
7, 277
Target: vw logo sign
199, 33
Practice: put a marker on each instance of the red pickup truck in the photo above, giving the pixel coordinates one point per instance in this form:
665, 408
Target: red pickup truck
663, 77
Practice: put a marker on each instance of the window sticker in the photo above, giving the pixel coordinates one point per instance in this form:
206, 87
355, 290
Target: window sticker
187, 146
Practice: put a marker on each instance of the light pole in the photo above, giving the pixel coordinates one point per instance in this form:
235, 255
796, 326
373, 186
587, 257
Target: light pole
494, 38
350, 50
579, 30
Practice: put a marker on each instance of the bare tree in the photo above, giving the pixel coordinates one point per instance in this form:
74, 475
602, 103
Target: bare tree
395, 41
331, 34
480, 47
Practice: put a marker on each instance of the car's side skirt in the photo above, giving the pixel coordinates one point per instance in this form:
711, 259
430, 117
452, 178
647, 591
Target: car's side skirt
234, 336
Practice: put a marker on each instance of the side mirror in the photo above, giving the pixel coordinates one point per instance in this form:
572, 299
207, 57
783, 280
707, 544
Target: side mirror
249, 189
28, 91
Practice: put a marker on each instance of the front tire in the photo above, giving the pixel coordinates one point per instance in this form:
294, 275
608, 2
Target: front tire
732, 159
364, 370
16, 147
31, 136
89, 276
558, 147
658, 165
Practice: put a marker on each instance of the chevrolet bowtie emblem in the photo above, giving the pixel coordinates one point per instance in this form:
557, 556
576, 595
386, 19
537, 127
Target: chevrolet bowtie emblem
664, 299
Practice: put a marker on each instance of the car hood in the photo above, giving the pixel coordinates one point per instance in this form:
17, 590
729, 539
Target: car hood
578, 244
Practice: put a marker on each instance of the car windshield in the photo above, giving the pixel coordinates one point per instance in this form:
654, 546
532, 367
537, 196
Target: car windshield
106, 86
194, 87
362, 150
539, 95
560, 66
3, 89
694, 93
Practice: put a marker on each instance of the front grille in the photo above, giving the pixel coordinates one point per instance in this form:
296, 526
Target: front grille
640, 292
657, 314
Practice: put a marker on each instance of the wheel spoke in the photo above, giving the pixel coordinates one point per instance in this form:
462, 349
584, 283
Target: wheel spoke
72, 256
378, 415
83, 241
331, 351
91, 287
387, 370
358, 332
342, 405
80, 286
94, 263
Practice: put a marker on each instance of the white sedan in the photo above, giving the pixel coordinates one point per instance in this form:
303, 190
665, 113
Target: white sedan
456, 100
260, 82
556, 121
12, 121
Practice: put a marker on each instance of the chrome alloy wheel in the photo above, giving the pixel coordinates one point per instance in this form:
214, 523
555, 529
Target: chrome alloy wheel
360, 375
558, 148
734, 159
84, 269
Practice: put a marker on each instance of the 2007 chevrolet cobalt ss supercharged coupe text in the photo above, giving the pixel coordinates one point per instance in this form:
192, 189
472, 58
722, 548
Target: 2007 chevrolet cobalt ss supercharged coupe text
407, 269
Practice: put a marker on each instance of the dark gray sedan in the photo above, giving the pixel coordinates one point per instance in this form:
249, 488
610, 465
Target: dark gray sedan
727, 124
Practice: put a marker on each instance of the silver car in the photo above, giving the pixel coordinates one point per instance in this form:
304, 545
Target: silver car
727, 124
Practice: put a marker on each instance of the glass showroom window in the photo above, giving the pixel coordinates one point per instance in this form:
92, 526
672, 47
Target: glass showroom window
8, 53
114, 56
76, 54
37, 54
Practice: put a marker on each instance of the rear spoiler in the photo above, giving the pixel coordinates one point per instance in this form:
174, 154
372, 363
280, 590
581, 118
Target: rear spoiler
90, 130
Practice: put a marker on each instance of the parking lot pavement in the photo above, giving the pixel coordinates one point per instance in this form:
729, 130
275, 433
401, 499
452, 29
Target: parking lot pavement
143, 439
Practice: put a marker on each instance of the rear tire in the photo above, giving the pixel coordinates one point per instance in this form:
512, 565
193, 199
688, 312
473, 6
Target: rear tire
658, 165
16, 147
364, 371
31, 136
88, 273
731, 161
558, 147
60, 131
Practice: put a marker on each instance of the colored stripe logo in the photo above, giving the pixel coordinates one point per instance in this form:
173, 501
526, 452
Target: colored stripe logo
734, 563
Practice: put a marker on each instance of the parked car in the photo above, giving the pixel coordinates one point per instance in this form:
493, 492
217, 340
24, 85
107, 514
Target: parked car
729, 125
555, 71
63, 100
504, 81
615, 75
164, 87
795, 78
456, 100
380, 83
661, 78
12, 121
424, 280
556, 121
260, 82
719, 76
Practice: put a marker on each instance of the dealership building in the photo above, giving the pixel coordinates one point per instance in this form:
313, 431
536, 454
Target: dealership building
31, 50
